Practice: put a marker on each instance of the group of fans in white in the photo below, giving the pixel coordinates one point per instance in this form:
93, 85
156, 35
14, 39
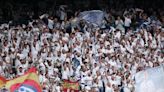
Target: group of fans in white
101, 59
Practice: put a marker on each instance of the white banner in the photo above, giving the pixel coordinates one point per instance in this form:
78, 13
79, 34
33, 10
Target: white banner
150, 80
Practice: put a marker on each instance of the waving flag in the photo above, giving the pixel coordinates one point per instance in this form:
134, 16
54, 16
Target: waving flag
150, 80
69, 85
2, 81
94, 16
28, 82
75, 62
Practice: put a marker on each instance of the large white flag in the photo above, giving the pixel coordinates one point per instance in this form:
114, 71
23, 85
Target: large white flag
150, 80
94, 16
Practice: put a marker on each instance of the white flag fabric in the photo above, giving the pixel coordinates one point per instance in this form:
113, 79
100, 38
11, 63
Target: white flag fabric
94, 16
150, 80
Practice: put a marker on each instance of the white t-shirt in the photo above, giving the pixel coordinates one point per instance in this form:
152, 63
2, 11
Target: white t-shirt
126, 89
20, 72
127, 22
50, 70
42, 79
88, 80
100, 83
65, 74
50, 24
108, 89
56, 88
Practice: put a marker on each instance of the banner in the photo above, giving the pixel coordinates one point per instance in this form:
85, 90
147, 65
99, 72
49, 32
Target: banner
71, 86
94, 16
28, 82
2, 81
150, 80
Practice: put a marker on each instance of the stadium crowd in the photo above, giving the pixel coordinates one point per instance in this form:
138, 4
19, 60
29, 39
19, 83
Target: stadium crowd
101, 59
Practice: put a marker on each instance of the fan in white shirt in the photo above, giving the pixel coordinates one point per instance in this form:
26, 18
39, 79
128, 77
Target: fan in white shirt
65, 72
108, 87
127, 21
20, 71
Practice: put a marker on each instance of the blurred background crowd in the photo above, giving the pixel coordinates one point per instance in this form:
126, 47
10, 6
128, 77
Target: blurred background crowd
46, 35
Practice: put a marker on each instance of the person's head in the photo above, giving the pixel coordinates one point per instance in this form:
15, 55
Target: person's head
98, 73
83, 68
89, 74
144, 16
41, 72
51, 17
55, 19
22, 61
58, 53
49, 63
10, 70
108, 84
20, 69
95, 64
112, 78
118, 18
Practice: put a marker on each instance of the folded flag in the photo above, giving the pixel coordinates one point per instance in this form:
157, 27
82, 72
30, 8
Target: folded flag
2, 81
72, 86
29, 82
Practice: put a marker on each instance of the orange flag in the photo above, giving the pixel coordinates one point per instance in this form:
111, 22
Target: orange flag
2, 81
